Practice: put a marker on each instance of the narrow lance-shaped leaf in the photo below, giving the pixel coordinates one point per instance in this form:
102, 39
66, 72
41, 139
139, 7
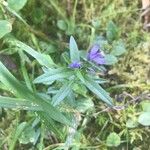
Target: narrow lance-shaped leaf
62, 93
17, 134
8, 102
50, 123
98, 90
74, 52
16, 15
79, 75
43, 59
23, 92
52, 75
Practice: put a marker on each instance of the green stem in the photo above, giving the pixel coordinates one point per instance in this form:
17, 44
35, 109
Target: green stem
74, 11
42, 137
57, 8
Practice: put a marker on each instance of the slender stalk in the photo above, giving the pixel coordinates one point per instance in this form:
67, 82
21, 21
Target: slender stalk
42, 136
74, 11
57, 8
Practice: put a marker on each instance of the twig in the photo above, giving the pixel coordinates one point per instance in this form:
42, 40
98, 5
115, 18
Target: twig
122, 107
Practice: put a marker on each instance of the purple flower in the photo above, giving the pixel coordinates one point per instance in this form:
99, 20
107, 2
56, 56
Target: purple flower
75, 64
96, 55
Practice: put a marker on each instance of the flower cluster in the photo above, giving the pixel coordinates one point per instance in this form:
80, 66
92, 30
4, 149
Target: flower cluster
94, 55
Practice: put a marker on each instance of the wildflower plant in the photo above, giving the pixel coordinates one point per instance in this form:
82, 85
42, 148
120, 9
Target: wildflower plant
63, 92
67, 85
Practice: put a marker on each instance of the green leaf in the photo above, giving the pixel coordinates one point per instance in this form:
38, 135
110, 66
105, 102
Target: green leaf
23, 92
50, 124
110, 59
43, 59
84, 104
5, 27
74, 52
113, 139
16, 15
8, 102
17, 134
16, 4
112, 31
65, 57
96, 23
144, 119
28, 135
61, 24
80, 89
53, 75
70, 27
131, 123
118, 48
47, 47
99, 80
79, 75
146, 106
62, 93
98, 90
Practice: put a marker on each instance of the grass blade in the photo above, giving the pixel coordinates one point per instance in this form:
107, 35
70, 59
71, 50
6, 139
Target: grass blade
17, 134
7, 102
43, 59
22, 91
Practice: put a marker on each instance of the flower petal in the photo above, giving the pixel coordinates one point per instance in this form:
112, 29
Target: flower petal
95, 48
93, 52
99, 60
75, 64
